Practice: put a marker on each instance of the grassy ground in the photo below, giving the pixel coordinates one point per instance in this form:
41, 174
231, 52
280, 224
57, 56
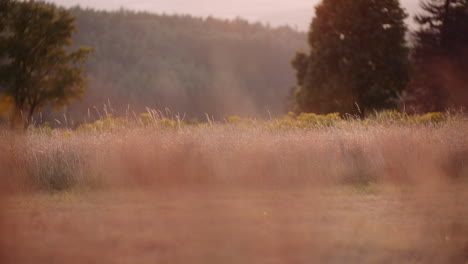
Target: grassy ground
338, 225
347, 193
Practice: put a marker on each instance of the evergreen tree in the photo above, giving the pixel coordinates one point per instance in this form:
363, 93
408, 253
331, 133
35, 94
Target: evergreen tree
440, 56
358, 59
37, 68
4, 10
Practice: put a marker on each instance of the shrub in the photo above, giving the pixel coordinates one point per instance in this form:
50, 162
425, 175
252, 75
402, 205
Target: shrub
236, 120
308, 120
432, 118
56, 169
168, 123
146, 119
284, 123
108, 124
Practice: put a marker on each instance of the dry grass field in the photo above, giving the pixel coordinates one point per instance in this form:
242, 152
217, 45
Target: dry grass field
382, 193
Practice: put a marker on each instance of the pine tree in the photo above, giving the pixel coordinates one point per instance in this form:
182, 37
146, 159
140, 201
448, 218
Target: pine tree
440, 56
358, 59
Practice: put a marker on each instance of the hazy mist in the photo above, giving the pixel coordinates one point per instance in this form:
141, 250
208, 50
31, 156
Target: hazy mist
296, 13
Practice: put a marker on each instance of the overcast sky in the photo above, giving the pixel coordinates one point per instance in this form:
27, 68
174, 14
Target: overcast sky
296, 13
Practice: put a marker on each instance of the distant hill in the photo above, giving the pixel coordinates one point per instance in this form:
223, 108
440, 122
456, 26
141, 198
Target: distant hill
276, 12
190, 65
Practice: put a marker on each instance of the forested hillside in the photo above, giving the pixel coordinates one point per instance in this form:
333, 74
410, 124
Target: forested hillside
191, 65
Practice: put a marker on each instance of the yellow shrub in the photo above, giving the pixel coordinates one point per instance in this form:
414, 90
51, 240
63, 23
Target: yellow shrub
432, 118
167, 123
146, 119
108, 124
236, 120
285, 123
307, 120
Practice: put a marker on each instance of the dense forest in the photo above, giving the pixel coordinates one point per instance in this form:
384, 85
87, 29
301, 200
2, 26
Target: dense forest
194, 67
190, 65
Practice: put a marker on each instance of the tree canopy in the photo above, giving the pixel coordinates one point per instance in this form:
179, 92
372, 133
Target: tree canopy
38, 68
358, 59
440, 56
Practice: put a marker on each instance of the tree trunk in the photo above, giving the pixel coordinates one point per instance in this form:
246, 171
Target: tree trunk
15, 115
28, 121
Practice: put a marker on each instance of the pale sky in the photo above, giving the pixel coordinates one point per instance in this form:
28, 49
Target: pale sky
297, 13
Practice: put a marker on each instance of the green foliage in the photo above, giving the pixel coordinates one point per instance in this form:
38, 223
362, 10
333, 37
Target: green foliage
38, 69
358, 58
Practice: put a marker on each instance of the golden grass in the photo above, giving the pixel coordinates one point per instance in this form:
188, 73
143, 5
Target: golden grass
231, 155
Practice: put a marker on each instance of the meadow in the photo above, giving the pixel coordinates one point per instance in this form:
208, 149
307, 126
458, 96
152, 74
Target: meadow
391, 188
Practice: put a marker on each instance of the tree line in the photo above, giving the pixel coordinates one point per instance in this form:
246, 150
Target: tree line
360, 59
190, 65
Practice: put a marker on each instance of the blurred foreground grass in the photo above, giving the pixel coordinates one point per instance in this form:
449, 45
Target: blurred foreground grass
391, 188
327, 225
